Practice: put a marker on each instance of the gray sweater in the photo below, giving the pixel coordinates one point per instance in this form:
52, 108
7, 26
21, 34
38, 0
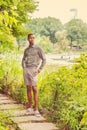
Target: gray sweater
34, 57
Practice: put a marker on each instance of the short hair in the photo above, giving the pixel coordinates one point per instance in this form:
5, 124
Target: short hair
30, 35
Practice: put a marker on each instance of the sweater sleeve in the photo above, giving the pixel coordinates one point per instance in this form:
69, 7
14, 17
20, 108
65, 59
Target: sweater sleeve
43, 58
23, 60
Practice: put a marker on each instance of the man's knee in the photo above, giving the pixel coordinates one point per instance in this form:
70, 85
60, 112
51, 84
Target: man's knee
29, 88
34, 89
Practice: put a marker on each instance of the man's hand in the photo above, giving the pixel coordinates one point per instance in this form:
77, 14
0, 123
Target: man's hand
37, 72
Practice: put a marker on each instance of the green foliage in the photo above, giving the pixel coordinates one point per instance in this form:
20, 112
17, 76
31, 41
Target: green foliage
5, 122
13, 15
45, 43
6, 42
11, 76
45, 27
77, 31
63, 92
62, 40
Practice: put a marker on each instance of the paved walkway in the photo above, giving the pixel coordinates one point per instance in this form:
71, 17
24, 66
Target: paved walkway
18, 116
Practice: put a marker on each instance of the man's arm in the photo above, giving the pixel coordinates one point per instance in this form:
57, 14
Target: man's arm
23, 60
43, 58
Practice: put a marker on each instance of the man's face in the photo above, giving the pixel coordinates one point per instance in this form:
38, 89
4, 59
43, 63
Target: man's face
31, 39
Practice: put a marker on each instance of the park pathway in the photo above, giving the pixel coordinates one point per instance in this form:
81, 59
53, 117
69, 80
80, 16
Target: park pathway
16, 112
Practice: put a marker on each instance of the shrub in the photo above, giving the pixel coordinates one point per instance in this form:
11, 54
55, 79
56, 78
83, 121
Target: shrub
63, 92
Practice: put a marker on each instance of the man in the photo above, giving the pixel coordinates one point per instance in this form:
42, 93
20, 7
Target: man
33, 61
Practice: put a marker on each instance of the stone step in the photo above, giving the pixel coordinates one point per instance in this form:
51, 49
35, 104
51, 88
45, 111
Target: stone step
6, 101
11, 106
14, 112
37, 126
17, 113
2, 94
28, 118
4, 98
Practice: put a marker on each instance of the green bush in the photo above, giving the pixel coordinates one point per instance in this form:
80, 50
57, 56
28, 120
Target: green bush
45, 43
63, 92
11, 76
5, 122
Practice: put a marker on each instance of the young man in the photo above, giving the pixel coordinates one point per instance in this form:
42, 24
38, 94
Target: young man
33, 61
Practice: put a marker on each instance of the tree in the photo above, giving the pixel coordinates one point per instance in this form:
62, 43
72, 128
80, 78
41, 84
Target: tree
13, 14
77, 31
45, 43
62, 40
45, 27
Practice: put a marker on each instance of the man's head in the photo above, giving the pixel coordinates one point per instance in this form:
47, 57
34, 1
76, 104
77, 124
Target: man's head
31, 38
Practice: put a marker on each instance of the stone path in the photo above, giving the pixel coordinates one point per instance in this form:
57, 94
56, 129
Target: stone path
17, 114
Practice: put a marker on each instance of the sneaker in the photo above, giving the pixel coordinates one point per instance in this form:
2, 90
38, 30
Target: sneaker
29, 111
36, 113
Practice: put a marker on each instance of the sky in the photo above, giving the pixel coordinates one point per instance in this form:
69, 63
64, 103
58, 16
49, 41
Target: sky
61, 9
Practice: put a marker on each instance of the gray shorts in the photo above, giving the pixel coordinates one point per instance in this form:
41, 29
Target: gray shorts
30, 78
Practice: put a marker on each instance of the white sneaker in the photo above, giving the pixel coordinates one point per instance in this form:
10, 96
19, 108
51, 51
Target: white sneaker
37, 113
29, 111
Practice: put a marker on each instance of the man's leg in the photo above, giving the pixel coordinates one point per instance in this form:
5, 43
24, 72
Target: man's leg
35, 92
29, 95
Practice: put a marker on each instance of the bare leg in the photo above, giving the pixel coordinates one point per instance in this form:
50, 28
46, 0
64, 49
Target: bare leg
29, 95
35, 92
